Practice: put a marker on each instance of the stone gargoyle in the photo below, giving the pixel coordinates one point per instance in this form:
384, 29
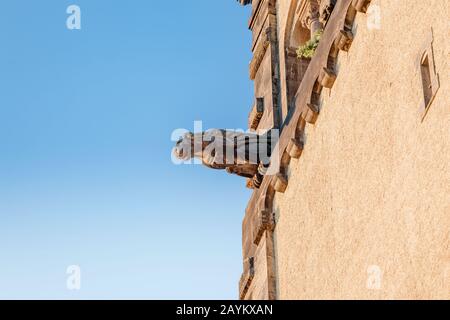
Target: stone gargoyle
245, 154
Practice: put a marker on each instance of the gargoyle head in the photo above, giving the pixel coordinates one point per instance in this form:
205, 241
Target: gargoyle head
184, 147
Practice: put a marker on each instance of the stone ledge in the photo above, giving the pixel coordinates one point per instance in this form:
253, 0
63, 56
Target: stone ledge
246, 277
258, 56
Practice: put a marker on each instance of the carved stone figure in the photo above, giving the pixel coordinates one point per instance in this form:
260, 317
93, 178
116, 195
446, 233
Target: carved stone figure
242, 153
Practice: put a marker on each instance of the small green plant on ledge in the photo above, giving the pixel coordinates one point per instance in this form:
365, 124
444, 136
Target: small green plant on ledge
309, 48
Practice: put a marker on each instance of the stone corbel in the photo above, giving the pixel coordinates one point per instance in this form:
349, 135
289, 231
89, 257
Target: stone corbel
361, 5
344, 40
280, 182
311, 113
295, 148
327, 77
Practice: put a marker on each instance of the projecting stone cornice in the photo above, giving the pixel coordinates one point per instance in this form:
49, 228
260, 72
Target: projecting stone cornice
258, 56
256, 6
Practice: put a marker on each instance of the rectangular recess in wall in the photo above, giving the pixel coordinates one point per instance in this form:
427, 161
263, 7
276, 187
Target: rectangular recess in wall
429, 77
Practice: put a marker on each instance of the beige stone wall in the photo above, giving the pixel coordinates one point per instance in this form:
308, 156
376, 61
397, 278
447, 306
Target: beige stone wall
371, 191
282, 16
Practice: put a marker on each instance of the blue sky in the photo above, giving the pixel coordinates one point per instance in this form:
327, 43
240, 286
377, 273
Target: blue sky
86, 176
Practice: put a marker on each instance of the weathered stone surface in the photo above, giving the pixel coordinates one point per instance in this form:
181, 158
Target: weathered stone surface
263, 12
327, 77
326, 8
256, 114
264, 220
344, 40
247, 276
239, 153
361, 5
280, 183
369, 190
295, 148
311, 113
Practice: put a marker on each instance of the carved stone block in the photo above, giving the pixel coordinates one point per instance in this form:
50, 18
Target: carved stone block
311, 114
256, 114
327, 77
295, 148
280, 183
326, 7
361, 5
344, 40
